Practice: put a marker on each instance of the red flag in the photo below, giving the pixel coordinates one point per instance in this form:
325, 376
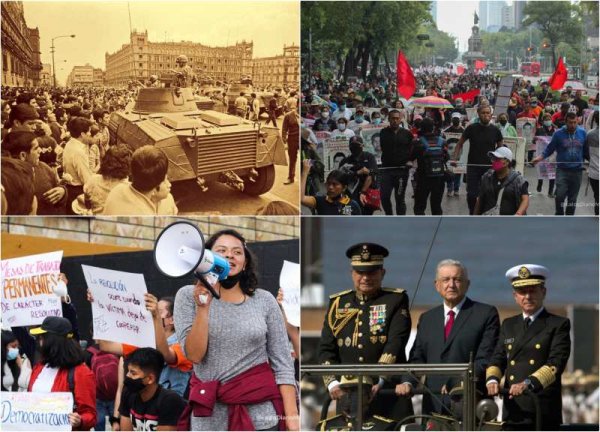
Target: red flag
479, 64
405, 79
467, 96
460, 70
559, 77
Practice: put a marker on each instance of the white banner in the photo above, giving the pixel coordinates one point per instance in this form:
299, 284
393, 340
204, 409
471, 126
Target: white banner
289, 281
119, 310
24, 411
451, 140
28, 289
334, 151
547, 168
517, 146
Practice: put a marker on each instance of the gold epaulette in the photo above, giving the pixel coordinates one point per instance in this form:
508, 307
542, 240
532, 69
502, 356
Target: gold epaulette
394, 290
546, 375
321, 424
493, 372
387, 359
384, 419
332, 296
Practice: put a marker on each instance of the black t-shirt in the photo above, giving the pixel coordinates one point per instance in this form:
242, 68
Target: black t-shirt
325, 207
482, 139
162, 409
395, 146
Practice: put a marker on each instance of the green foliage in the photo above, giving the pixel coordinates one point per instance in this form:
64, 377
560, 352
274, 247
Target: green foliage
444, 46
590, 8
558, 21
511, 43
346, 35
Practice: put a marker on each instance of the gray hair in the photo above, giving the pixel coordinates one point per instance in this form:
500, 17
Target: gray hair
452, 262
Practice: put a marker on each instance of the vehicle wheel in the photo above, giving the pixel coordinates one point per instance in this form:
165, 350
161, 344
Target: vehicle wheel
263, 183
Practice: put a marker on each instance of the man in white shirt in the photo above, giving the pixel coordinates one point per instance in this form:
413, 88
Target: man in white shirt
75, 159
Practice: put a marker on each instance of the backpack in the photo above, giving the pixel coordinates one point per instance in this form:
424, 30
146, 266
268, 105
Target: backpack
106, 368
433, 158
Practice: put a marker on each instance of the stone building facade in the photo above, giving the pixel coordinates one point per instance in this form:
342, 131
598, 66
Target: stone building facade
278, 71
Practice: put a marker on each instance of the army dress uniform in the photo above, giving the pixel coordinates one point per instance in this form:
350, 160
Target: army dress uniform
535, 354
368, 329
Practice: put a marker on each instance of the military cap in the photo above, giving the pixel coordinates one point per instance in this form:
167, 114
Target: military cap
526, 275
366, 256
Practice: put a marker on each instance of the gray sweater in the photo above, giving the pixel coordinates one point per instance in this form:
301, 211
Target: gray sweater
239, 338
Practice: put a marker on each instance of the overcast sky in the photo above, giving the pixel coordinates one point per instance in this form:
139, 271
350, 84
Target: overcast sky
103, 26
456, 18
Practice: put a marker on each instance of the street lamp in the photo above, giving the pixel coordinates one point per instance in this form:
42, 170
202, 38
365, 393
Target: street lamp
52, 51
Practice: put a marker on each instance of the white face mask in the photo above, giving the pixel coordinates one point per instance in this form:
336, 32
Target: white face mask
342, 126
325, 114
60, 290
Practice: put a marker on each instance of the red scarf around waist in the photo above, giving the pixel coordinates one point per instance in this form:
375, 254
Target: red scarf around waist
255, 385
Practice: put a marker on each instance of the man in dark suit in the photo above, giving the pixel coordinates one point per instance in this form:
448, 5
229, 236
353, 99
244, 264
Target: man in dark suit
367, 325
449, 333
531, 354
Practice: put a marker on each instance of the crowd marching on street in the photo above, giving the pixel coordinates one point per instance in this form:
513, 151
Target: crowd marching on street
363, 145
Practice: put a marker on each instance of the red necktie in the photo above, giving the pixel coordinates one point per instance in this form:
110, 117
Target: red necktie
449, 324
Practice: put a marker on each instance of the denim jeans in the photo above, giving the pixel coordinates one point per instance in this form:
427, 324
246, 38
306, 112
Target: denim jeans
103, 409
453, 182
394, 180
567, 186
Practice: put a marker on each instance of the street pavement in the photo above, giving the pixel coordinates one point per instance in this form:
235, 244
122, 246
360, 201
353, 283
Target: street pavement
223, 200
539, 202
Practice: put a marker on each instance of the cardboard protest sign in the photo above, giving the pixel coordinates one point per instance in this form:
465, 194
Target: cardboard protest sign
517, 146
370, 135
334, 150
547, 168
451, 140
321, 136
118, 310
28, 289
289, 281
24, 411
526, 129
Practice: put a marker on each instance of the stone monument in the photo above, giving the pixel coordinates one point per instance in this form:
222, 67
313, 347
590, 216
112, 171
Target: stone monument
475, 45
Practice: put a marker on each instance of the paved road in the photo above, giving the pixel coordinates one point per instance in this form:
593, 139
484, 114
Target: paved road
221, 199
539, 203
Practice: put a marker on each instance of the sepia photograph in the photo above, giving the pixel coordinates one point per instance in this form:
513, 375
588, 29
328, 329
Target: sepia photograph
151, 108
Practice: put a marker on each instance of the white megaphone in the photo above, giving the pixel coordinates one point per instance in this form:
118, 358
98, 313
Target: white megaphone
179, 251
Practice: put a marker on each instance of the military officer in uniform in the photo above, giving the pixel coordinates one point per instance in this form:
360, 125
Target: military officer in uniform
348, 403
532, 352
367, 325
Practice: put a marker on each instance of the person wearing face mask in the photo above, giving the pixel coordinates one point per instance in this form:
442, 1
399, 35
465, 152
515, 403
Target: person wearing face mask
364, 166
324, 123
14, 365
376, 119
145, 404
336, 200
546, 129
62, 369
342, 111
502, 187
359, 121
483, 137
75, 159
505, 127
243, 369
342, 129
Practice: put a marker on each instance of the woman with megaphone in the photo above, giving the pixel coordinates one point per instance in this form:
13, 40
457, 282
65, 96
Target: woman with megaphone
243, 371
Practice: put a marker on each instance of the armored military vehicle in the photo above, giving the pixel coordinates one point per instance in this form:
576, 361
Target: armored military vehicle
204, 145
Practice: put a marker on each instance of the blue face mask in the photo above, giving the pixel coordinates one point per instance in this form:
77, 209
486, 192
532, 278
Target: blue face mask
12, 353
376, 121
359, 119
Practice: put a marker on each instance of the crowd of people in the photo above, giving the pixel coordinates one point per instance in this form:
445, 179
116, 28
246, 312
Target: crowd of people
417, 144
219, 364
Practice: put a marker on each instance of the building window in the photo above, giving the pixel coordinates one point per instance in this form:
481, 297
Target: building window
141, 56
141, 65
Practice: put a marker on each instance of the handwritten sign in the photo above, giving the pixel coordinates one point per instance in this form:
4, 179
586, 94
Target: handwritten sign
23, 411
372, 144
289, 281
28, 289
547, 168
118, 309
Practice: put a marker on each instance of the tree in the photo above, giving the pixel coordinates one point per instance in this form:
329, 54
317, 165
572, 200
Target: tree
558, 21
444, 45
590, 8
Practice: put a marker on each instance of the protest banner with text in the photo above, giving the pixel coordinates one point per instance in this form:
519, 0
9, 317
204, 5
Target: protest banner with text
371, 141
547, 168
24, 411
118, 310
517, 146
28, 289
526, 129
334, 151
451, 140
